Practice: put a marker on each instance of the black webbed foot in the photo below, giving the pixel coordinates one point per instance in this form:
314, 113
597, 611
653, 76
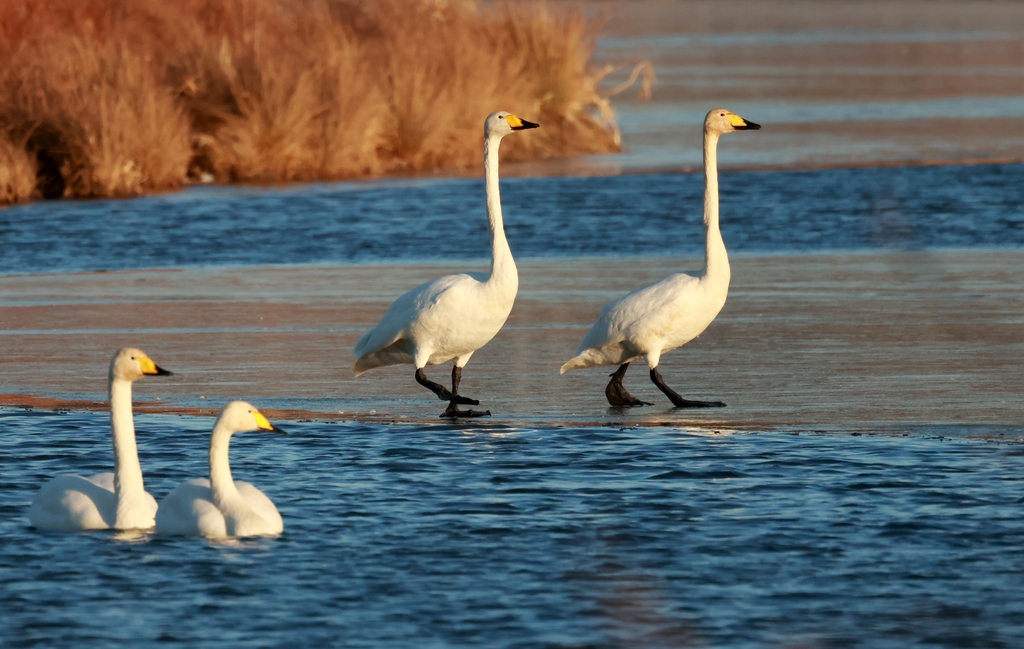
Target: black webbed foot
617, 394
454, 413
619, 397
687, 403
677, 400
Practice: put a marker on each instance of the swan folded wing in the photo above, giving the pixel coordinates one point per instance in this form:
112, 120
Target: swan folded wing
105, 480
385, 343
382, 344
262, 506
628, 327
189, 511
70, 503
653, 314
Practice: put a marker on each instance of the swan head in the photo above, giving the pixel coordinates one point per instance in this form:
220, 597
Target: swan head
502, 122
131, 364
720, 121
239, 416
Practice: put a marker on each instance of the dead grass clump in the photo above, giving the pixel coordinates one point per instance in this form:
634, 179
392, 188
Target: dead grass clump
17, 173
449, 65
92, 111
279, 93
557, 49
114, 98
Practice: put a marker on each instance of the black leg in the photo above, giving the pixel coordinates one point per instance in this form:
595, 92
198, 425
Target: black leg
452, 397
442, 392
617, 394
452, 412
677, 400
456, 378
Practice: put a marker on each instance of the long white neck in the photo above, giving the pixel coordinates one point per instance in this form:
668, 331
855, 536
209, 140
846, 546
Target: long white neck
503, 267
128, 486
221, 484
716, 260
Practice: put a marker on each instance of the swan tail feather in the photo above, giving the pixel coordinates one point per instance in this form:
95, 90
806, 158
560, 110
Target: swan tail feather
614, 354
393, 354
585, 359
571, 364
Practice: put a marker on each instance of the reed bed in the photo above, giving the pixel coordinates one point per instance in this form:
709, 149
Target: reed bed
123, 97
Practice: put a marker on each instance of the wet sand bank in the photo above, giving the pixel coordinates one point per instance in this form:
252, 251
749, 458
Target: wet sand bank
873, 340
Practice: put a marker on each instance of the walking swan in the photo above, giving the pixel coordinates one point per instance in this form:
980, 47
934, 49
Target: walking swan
452, 316
220, 507
668, 314
118, 500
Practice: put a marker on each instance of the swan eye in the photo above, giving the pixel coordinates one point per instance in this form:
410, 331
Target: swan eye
501, 117
133, 358
722, 115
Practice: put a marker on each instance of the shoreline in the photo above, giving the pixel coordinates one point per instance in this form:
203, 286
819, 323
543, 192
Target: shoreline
1014, 434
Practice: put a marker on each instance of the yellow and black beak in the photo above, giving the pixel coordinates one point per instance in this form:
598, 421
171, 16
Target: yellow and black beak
519, 124
263, 424
741, 124
149, 368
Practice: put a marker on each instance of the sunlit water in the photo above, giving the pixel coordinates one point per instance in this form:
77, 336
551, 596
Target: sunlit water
441, 219
489, 536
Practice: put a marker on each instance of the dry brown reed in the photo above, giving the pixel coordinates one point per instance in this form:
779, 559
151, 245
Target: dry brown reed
119, 97
89, 104
17, 173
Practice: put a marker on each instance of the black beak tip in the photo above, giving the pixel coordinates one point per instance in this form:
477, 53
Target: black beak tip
527, 125
162, 372
752, 126
279, 431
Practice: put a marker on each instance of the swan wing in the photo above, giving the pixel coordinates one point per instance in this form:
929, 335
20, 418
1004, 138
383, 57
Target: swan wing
262, 505
105, 480
189, 511
71, 503
385, 343
629, 326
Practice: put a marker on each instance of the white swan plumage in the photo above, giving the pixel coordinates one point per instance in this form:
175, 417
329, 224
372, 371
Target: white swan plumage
220, 507
668, 314
452, 316
118, 500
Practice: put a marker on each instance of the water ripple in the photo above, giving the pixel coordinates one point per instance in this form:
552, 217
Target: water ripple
401, 221
492, 536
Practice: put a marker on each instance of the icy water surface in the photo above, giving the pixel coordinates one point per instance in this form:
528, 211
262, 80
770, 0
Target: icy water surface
442, 219
490, 536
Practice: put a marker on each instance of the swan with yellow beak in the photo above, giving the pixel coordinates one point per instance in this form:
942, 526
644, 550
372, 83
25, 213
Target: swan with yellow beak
668, 314
117, 500
449, 318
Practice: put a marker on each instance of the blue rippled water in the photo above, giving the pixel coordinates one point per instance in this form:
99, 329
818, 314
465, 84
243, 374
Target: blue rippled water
630, 215
490, 536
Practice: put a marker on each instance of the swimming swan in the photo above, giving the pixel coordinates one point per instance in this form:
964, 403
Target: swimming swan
668, 314
220, 507
118, 500
453, 316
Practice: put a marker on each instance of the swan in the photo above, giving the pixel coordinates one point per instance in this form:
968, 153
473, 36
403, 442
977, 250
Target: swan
220, 507
452, 316
668, 314
118, 500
